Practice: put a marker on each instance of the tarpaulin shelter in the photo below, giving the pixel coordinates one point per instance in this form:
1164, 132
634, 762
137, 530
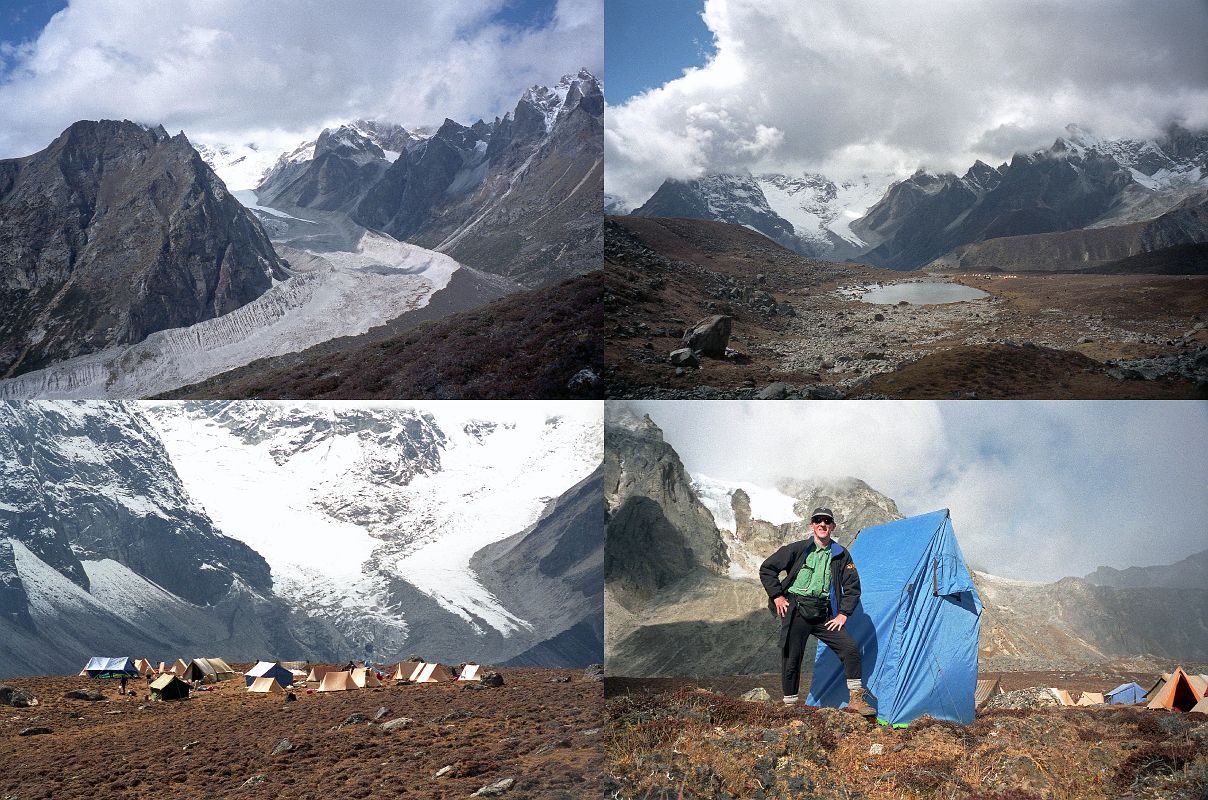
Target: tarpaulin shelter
267, 685
1125, 694
406, 669
365, 678
430, 672
169, 687
917, 624
1091, 699
1178, 693
268, 669
101, 667
337, 682
470, 672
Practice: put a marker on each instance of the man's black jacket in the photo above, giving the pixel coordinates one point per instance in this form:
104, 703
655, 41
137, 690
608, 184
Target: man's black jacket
845, 580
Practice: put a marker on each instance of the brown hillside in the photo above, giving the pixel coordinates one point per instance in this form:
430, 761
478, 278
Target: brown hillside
528, 345
544, 734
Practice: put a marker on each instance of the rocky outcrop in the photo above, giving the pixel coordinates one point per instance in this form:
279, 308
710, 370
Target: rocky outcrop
656, 529
521, 196
1186, 574
346, 164
114, 232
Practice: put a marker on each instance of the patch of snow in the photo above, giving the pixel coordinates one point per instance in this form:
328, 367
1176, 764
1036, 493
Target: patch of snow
768, 504
391, 155
249, 200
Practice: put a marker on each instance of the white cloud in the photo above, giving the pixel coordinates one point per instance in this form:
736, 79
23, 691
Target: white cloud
851, 87
280, 70
1038, 490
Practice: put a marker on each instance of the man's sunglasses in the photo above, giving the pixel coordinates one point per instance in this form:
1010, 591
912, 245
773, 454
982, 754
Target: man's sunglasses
827, 520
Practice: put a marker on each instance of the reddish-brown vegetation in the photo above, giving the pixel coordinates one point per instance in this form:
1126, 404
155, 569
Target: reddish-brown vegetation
546, 735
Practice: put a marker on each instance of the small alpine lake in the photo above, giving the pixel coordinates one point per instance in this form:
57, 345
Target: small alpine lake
921, 293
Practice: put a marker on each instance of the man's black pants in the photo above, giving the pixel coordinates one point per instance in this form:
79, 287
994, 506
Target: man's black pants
840, 641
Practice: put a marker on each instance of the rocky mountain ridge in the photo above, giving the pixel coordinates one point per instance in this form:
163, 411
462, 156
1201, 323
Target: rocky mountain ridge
519, 196
113, 232
1098, 187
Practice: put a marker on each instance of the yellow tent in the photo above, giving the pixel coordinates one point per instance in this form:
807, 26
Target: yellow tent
266, 685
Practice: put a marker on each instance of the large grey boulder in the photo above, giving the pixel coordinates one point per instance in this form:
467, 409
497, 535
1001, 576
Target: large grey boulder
710, 336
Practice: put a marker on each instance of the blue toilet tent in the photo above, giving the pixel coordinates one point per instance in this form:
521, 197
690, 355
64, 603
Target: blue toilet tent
269, 669
101, 667
1125, 694
917, 625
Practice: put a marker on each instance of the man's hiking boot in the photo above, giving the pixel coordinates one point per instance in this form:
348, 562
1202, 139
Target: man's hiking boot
858, 705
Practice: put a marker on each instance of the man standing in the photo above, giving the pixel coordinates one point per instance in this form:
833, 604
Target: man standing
820, 590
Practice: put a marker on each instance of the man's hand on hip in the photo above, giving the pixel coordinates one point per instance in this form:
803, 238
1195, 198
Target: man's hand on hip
835, 622
782, 606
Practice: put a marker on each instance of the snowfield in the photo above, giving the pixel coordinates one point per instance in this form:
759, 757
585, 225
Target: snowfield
346, 295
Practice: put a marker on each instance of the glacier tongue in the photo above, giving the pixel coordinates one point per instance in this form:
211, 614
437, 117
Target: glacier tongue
319, 500
342, 294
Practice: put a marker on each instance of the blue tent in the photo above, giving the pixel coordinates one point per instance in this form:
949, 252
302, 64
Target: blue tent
100, 667
268, 669
917, 624
1125, 694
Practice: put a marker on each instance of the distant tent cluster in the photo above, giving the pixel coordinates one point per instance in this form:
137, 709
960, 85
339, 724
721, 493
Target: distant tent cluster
175, 682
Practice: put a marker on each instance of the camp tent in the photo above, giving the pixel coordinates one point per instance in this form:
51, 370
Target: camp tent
265, 685
1091, 699
169, 687
101, 667
365, 678
405, 670
144, 666
207, 670
337, 682
430, 672
268, 669
470, 672
179, 668
986, 690
1178, 693
1062, 696
1201, 707
317, 672
1125, 694
917, 624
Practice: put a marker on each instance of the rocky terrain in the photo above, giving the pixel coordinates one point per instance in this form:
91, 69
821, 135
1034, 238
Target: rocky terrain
682, 595
685, 738
798, 328
540, 343
113, 232
538, 735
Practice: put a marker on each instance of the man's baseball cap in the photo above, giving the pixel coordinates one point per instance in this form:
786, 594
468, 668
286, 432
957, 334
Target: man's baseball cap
823, 512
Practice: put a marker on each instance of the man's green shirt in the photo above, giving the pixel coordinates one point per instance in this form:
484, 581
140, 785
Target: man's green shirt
814, 578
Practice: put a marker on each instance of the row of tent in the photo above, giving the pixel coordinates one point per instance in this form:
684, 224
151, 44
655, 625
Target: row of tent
1176, 690
174, 682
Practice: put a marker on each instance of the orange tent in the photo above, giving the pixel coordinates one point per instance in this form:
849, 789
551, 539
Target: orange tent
1178, 694
1091, 699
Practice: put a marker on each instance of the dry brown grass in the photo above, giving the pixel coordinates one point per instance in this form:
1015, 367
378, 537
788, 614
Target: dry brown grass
704, 745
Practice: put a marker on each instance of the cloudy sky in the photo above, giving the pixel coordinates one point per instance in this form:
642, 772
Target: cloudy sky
848, 87
277, 72
1038, 490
